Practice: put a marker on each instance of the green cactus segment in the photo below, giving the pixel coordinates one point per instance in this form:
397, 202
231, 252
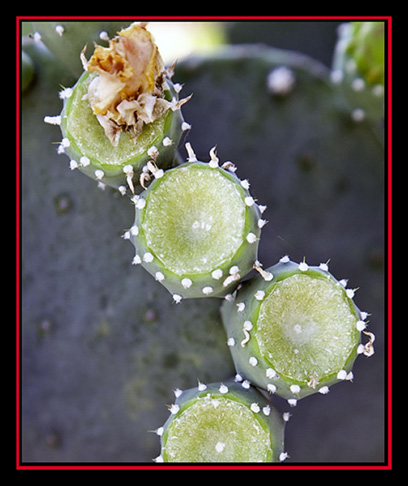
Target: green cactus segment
303, 316
294, 330
85, 142
122, 113
197, 230
222, 423
359, 65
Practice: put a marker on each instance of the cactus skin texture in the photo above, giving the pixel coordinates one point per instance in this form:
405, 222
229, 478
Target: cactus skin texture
294, 330
196, 229
222, 422
27, 71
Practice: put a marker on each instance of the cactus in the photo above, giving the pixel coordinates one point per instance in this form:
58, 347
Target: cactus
222, 422
359, 69
197, 228
294, 330
115, 118
66, 39
308, 184
117, 166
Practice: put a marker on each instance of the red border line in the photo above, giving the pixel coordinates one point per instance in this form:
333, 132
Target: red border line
323, 467
202, 17
18, 238
389, 240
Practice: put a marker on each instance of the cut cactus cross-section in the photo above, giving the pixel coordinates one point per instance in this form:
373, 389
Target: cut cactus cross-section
222, 422
196, 230
294, 330
123, 111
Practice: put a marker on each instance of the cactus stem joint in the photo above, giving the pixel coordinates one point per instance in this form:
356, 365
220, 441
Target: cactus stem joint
222, 422
302, 329
201, 226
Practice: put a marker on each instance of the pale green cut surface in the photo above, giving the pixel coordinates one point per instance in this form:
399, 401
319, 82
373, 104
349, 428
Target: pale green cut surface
194, 220
89, 136
217, 430
306, 328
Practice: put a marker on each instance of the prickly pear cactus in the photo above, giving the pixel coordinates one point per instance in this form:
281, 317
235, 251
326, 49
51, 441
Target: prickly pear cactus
122, 113
197, 229
294, 330
359, 67
119, 165
104, 343
222, 422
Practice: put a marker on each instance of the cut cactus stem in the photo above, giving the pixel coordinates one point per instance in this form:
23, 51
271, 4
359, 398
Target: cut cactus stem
222, 422
121, 166
111, 133
196, 229
295, 332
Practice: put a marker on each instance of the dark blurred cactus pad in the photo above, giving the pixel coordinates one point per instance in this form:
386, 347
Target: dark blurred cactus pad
104, 345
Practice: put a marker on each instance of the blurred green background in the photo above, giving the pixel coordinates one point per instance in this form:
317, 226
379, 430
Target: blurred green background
103, 346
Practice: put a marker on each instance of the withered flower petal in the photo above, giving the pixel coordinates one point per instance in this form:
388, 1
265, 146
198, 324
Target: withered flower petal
128, 89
